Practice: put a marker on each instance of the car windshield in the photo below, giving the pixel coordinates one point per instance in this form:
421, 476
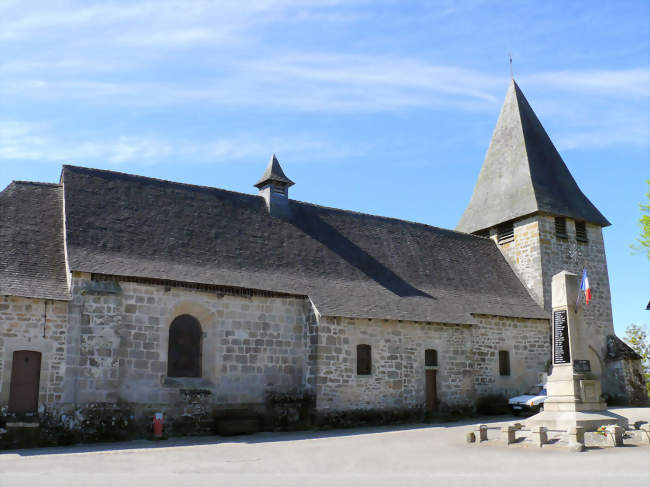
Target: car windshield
535, 390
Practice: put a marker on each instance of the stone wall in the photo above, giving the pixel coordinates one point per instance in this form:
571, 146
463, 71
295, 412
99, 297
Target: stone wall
250, 344
568, 254
523, 254
467, 361
397, 379
110, 344
528, 342
630, 382
25, 325
536, 254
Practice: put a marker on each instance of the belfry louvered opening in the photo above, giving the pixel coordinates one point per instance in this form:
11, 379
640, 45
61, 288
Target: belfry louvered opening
560, 227
279, 189
505, 233
581, 231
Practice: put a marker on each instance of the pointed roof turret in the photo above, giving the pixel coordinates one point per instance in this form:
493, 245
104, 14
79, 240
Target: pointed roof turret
523, 173
274, 174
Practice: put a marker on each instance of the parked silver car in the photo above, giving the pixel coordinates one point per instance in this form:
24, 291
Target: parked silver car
532, 401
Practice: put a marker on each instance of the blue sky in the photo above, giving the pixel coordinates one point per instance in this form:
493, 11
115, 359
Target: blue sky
385, 107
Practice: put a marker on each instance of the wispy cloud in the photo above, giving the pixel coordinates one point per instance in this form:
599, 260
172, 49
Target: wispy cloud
171, 21
614, 83
304, 82
21, 141
595, 108
172, 54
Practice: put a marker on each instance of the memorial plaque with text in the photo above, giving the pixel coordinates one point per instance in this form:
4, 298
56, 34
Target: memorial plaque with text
561, 352
581, 366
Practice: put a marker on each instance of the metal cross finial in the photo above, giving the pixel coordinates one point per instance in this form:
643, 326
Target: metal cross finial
512, 76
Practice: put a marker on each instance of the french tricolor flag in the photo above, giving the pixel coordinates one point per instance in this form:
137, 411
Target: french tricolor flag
584, 286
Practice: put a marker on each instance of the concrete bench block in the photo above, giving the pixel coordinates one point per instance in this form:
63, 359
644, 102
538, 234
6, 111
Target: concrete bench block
508, 434
616, 434
483, 432
577, 439
542, 436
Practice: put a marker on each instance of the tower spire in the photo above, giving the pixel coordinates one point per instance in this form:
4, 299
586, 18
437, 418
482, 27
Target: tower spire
523, 173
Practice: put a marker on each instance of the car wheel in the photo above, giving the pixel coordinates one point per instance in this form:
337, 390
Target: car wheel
516, 412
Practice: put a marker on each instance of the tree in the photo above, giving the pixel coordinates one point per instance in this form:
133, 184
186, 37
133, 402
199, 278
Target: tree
637, 338
644, 238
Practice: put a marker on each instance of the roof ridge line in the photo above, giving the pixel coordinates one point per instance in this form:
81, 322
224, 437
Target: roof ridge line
35, 183
157, 180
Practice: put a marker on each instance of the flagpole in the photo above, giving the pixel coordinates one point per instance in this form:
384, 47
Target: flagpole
582, 281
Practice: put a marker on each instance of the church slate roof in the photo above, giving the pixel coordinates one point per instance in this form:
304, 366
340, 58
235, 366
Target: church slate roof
273, 173
348, 264
523, 173
32, 250
617, 349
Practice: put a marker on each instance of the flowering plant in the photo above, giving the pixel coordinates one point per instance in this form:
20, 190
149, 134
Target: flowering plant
602, 430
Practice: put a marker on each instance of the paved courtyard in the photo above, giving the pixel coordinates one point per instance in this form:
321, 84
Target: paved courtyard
392, 456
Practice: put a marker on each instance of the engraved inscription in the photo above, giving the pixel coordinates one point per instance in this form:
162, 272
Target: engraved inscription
561, 352
581, 366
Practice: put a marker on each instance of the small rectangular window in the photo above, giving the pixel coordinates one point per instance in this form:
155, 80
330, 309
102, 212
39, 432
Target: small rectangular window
364, 360
581, 232
504, 362
505, 233
430, 358
560, 227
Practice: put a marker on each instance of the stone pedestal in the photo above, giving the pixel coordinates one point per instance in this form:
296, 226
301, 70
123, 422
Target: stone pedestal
574, 393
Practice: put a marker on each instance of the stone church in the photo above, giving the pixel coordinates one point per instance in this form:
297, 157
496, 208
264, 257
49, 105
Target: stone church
162, 296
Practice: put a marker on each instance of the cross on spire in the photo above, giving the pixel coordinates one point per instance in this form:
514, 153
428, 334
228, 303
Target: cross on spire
512, 76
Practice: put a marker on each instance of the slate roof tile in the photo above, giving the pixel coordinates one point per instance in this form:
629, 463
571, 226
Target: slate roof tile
32, 258
523, 173
349, 264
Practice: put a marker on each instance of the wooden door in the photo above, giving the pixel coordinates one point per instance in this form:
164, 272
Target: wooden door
431, 390
25, 379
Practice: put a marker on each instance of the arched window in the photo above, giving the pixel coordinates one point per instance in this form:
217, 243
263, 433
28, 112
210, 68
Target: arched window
430, 358
364, 360
184, 352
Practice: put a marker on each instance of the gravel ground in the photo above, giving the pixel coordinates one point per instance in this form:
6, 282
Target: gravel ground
406, 456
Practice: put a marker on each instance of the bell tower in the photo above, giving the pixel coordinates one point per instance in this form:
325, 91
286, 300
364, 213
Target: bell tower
527, 201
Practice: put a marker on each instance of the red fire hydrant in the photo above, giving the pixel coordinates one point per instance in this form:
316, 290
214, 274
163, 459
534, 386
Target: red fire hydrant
158, 425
